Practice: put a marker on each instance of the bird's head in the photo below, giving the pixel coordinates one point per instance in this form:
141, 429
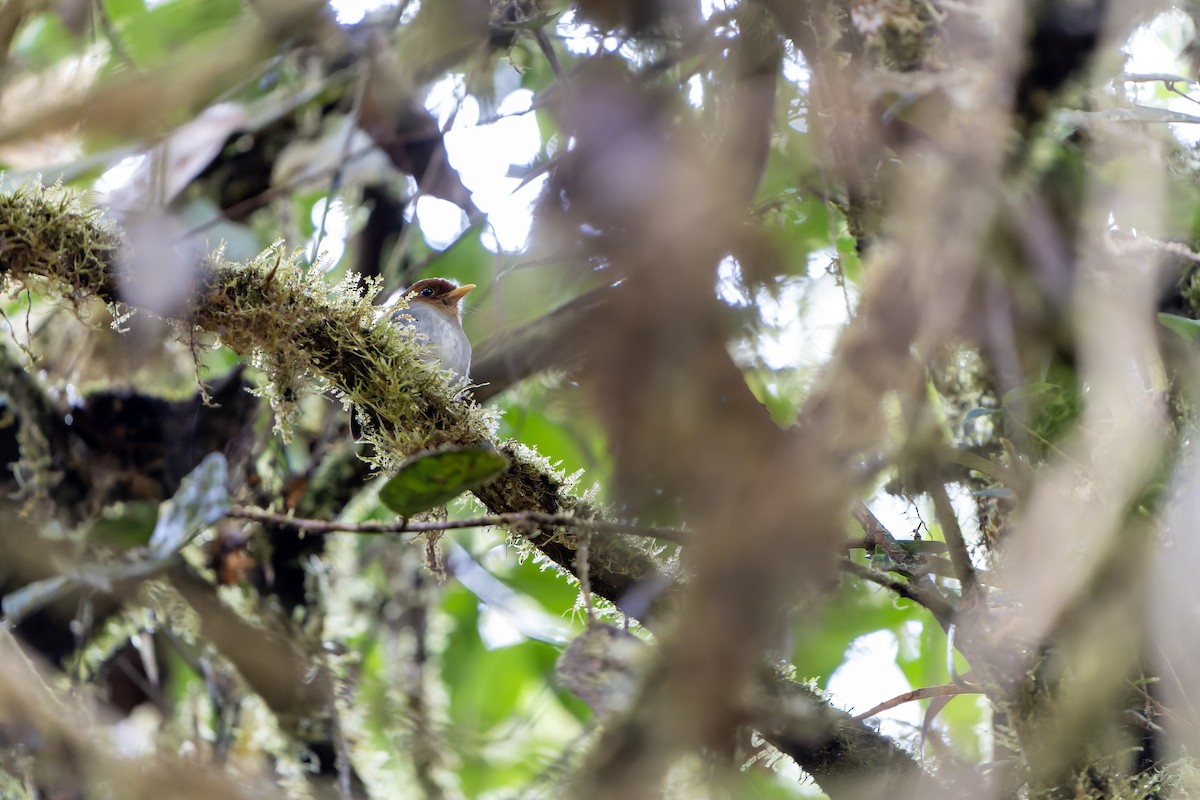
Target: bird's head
438, 293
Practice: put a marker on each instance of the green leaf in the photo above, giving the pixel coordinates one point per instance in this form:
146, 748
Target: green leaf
202, 499
854, 610
119, 10
1187, 328
999, 491
125, 525
568, 438
153, 34
45, 41
975, 413
434, 479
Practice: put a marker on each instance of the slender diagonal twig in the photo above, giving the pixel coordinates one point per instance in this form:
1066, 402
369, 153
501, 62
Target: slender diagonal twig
404, 525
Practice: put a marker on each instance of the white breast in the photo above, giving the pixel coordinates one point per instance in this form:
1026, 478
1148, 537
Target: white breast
447, 344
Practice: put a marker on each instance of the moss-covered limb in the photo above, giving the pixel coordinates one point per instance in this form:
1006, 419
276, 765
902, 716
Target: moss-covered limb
616, 565
308, 335
304, 328
46, 233
305, 333
845, 756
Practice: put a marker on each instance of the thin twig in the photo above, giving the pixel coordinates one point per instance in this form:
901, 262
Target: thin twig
952, 532
937, 605
100, 15
581, 570
335, 181
404, 525
945, 690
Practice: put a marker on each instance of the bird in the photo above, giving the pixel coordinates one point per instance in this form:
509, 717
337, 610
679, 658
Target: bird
433, 312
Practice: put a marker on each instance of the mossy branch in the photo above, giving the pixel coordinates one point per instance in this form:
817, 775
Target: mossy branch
308, 335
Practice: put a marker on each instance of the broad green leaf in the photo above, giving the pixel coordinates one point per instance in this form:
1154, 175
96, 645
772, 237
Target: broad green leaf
119, 10
202, 499
44, 41
1187, 328
550, 588
976, 413
434, 479
160, 31
124, 526
572, 441
997, 491
855, 609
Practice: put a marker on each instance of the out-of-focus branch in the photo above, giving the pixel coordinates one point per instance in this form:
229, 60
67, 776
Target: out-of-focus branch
926, 596
847, 758
559, 339
70, 751
959, 555
684, 424
283, 674
140, 103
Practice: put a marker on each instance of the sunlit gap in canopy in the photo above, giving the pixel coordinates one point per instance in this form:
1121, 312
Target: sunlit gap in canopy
581, 39
1157, 47
799, 316
119, 174
330, 230
349, 12
483, 148
797, 73
871, 662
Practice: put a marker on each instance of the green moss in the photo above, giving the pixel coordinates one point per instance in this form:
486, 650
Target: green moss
1189, 290
48, 235
305, 334
310, 336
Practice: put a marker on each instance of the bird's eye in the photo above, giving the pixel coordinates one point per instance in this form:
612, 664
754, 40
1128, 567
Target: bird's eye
427, 291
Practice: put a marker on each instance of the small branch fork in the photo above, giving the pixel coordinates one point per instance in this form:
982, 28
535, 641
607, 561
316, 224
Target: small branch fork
926, 693
931, 599
405, 525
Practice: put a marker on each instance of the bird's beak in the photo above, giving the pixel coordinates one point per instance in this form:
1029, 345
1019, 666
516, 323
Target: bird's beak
460, 292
